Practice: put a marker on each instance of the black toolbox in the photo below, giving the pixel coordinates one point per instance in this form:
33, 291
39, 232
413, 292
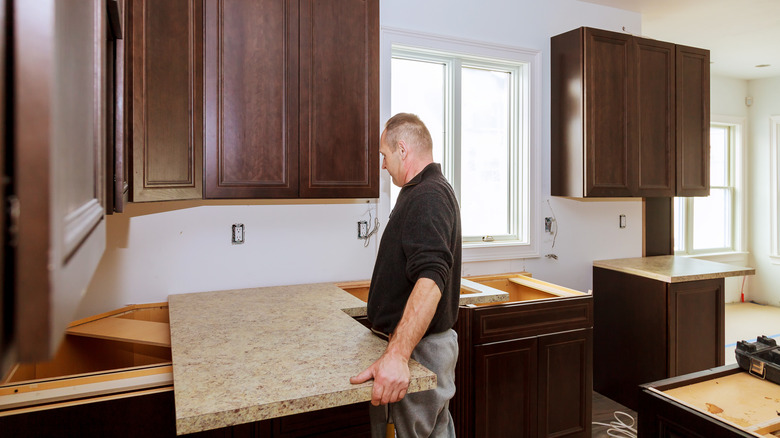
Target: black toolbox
760, 358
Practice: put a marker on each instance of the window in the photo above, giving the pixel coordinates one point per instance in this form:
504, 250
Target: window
477, 111
705, 225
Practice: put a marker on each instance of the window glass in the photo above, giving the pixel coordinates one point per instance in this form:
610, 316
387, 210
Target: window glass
719, 136
710, 223
485, 152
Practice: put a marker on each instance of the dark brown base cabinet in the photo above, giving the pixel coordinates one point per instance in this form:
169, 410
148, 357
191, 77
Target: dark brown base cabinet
152, 415
525, 369
664, 415
647, 330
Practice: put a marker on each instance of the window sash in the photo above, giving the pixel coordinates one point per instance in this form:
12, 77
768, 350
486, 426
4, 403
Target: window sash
518, 160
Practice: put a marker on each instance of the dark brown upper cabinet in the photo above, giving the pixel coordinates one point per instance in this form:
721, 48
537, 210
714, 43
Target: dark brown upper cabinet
630, 116
166, 82
291, 99
55, 145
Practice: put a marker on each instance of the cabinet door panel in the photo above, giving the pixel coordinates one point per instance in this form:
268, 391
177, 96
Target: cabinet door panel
251, 99
565, 384
505, 389
610, 89
693, 121
696, 326
655, 119
59, 145
339, 67
167, 120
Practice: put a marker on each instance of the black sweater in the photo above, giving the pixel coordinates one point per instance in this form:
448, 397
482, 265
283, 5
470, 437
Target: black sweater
422, 239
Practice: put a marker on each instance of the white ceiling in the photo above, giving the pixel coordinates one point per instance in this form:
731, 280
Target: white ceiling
740, 34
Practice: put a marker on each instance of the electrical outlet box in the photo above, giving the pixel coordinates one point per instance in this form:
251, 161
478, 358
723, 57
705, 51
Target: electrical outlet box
622, 221
362, 229
238, 234
548, 224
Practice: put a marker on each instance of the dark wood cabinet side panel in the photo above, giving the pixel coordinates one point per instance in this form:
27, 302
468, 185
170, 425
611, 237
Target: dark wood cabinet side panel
629, 334
696, 326
693, 121
512, 321
462, 405
505, 389
610, 87
167, 99
565, 384
567, 166
251, 99
655, 122
340, 421
339, 68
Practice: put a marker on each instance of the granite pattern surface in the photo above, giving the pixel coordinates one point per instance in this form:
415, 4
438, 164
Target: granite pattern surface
251, 354
673, 269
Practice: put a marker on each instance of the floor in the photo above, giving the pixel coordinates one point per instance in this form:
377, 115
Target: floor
744, 322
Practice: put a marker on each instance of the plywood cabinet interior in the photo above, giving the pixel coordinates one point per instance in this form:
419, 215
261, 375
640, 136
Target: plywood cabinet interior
630, 116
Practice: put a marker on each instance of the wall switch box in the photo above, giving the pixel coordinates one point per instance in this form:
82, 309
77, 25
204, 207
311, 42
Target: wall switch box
622, 221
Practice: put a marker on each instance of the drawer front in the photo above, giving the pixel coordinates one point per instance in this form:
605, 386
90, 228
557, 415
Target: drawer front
518, 320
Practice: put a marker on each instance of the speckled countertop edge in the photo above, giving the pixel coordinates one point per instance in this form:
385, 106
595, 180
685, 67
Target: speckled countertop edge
251, 354
673, 269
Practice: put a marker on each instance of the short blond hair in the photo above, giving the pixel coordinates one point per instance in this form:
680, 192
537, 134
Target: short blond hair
408, 127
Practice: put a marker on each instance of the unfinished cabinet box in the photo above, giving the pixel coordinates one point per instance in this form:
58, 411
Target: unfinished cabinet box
721, 402
109, 376
525, 365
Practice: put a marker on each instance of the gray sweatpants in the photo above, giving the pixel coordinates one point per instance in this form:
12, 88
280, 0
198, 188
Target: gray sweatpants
426, 413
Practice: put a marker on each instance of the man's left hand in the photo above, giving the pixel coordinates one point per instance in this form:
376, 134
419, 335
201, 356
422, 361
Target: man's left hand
391, 378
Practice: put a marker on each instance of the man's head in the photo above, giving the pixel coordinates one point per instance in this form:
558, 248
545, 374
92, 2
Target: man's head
406, 147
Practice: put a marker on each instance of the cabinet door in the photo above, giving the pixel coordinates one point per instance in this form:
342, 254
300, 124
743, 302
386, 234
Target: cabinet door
505, 389
59, 148
693, 121
696, 326
565, 384
610, 90
654, 118
339, 125
251, 70
167, 119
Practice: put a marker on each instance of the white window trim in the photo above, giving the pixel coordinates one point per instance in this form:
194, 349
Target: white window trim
478, 251
738, 209
774, 154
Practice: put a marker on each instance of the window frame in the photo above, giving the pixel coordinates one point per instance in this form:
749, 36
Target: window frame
735, 185
529, 116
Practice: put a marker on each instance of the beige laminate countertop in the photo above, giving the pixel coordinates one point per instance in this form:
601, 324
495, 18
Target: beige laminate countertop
251, 354
673, 269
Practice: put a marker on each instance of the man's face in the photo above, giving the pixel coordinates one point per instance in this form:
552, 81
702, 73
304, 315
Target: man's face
391, 161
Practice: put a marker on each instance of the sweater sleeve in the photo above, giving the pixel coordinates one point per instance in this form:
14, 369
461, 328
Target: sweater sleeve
426, 236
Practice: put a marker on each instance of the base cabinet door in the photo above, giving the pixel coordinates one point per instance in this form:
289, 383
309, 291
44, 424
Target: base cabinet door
505, 389
565, 384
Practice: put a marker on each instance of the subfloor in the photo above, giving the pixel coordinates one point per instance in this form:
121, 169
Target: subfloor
744, 322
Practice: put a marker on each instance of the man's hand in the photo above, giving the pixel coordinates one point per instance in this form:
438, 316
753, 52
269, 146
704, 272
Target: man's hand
391, 378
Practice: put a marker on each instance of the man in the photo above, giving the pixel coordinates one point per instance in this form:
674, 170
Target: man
415, 287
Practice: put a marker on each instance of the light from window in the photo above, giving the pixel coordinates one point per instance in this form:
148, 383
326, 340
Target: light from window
470, 107
706, 224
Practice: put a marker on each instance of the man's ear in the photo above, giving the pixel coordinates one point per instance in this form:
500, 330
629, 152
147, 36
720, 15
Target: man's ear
402, 149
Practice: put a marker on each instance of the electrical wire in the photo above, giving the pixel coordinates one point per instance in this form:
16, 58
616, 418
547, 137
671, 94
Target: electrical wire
372, 231
555, 223
619, 428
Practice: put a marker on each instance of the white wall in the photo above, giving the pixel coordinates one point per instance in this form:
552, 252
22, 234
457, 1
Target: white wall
154, 250
765, 285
